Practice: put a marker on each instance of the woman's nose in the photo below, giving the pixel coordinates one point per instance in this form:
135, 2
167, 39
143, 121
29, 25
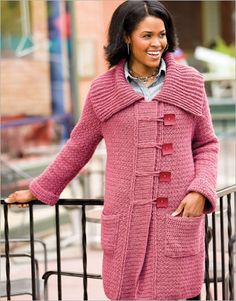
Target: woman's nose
156, 41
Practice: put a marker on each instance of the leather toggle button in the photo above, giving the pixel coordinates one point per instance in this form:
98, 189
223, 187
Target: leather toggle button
162, 202
165, 176
167, 149
169, 119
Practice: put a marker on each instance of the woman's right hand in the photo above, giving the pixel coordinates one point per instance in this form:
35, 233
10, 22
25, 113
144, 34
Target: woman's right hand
22, 196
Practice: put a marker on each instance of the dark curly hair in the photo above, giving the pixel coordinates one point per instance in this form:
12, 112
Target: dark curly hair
125, 20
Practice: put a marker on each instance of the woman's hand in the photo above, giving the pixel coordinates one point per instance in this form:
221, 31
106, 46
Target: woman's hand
22, 196
191, 206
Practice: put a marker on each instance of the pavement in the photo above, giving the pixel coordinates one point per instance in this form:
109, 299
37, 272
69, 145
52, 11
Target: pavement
71, 261
72, 287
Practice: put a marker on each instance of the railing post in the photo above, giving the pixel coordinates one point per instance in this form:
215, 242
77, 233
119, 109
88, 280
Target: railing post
58, 243
84, 242
31, 226
222, 247
214, 255
6, 233
230, 249
207, 240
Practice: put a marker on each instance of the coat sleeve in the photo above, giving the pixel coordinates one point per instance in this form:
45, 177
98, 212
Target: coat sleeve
205, 147
71, 159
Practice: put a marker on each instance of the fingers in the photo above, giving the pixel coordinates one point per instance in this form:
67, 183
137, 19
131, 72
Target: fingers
179, 209
186, 214
186, 210
18, 205
21, 196
23, 205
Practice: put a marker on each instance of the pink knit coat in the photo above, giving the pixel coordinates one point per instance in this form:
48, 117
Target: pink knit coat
157, 152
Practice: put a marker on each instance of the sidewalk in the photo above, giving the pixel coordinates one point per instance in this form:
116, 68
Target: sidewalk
72, 287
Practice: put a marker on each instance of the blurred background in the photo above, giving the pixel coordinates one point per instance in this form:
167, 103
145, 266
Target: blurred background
52, 50
50, 53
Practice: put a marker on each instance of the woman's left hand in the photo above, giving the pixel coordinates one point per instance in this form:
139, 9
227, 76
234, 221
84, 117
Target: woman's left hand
191, 206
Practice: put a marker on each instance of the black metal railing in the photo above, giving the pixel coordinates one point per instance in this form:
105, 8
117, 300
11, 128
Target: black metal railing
220, 243
83, 203
218, 277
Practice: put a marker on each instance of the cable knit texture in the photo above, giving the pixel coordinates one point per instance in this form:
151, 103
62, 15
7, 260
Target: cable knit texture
157, 152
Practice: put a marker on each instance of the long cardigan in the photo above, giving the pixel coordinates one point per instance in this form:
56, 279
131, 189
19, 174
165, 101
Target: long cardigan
157, 152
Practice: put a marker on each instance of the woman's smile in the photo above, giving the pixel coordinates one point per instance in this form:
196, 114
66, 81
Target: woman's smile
154, 54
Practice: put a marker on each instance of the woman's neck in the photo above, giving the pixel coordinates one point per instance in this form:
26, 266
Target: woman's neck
138, 70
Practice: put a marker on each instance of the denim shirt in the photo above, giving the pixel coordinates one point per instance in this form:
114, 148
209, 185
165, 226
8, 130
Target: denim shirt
150, 91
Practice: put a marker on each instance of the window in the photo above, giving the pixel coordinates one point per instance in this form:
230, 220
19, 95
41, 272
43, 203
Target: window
86, 58
15, 26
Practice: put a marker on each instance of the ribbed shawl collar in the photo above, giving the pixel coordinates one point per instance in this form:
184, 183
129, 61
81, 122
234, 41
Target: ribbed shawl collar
183, 87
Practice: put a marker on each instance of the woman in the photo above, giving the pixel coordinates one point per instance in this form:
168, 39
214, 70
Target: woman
161, 160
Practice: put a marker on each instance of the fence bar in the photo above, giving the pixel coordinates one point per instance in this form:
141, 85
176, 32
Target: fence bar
70, 274
43, 244
58, 252
6, 233
222, 247
84, 243
230, 249
214, 255
207, 277
227, 190
36, 265
31, 226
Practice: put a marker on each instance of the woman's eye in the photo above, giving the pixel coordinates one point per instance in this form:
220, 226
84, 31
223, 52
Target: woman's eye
162, 35
147, 36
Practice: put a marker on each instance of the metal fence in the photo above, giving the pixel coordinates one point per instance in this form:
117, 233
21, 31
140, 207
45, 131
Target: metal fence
220, 241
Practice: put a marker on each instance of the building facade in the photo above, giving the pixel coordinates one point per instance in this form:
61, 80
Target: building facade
25, 82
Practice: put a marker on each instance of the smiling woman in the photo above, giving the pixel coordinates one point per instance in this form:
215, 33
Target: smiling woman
161, 160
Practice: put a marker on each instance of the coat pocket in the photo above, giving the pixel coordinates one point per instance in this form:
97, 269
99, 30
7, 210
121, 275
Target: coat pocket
109, 232
184, 236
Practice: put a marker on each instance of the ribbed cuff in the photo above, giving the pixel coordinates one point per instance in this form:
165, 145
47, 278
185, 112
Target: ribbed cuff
42, 194
201, 186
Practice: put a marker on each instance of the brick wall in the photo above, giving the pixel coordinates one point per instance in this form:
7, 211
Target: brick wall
93, 19
25, 82
25, 87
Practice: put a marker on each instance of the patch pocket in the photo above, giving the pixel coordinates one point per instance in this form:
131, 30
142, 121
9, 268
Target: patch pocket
109, 232
184, 235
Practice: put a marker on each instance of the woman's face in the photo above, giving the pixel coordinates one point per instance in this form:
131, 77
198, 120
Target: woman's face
147, 44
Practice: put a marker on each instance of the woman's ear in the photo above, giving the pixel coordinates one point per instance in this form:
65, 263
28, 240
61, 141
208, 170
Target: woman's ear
127, 39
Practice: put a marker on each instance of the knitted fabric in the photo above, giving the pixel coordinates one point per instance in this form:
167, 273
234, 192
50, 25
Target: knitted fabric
157, 152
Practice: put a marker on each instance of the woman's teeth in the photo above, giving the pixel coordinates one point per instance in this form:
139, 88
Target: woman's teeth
154, 53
